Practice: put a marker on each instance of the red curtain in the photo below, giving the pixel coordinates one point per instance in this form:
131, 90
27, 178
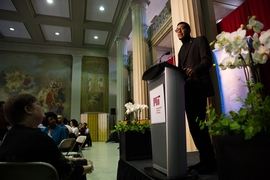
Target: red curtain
259, 8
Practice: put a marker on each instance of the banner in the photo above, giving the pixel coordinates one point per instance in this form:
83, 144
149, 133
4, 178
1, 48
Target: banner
232, 84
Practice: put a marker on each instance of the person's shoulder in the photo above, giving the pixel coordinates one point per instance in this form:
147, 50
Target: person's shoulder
28, 133
69, 128
45, 129
60, 128
200, 38
63, 126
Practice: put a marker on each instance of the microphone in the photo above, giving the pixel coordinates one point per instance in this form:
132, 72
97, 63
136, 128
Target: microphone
159, 59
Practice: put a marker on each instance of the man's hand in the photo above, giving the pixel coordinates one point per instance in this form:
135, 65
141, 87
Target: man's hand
190, 72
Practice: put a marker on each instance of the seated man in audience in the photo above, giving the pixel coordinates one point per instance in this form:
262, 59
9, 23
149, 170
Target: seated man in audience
56, 132
61, 123
24, 142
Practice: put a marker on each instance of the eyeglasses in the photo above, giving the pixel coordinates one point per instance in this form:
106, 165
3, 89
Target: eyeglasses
179, 29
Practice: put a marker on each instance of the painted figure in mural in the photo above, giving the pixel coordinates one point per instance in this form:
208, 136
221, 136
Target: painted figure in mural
13, 91
54, 83
26, 81
15, 75
49, 99
14, 80
52, 96
89, 85
3, 78
42, 95
59, 108
100, 84
60, 93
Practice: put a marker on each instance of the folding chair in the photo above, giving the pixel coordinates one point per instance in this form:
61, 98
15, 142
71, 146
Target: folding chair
79, 141
66, 145
27, 171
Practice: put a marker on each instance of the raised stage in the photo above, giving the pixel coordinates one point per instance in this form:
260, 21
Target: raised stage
142, 170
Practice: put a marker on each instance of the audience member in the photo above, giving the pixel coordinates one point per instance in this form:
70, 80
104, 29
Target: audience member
88, 141
66, 122
81, 129
60, 122
56, 132
24, 142
74, 127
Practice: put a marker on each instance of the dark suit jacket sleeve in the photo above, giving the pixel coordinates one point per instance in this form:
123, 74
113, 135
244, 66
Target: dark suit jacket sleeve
205, 56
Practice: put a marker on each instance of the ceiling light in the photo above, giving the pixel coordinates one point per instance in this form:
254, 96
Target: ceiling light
50, 1
101, 8
56, 33
95, 37
12, 29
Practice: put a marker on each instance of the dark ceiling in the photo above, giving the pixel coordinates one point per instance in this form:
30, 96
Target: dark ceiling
78, 21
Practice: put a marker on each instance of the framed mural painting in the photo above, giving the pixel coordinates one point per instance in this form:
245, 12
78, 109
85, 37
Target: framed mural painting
94, 91
46, 76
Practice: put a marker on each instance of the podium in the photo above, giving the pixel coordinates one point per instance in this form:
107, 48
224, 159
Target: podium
167, 114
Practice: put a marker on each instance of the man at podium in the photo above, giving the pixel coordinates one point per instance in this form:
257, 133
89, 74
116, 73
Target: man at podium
194, 58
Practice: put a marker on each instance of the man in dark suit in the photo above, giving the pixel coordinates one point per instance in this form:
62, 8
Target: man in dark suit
194, 58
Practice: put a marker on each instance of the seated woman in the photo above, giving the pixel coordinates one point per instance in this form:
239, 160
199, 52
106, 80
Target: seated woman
88, 141
24, 142
74, 127
56, 132
82, 129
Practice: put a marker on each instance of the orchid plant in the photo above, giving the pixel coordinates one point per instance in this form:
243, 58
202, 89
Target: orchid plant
252, 119
133, 124
236, 44
135, 108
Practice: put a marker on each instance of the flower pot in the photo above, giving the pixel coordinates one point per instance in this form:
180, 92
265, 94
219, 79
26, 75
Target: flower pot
135, 145
238, 158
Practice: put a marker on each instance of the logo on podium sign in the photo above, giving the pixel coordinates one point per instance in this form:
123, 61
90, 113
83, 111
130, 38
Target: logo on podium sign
157, 105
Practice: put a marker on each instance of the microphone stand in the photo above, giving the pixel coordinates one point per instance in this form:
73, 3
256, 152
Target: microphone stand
159, 59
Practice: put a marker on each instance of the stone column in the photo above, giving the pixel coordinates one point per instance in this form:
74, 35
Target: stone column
140, 52
75, 106
121, 78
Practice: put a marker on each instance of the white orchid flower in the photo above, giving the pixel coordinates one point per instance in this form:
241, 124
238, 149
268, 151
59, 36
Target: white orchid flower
238, 40
238, 62
241, 53
136, 108
260, 55
222, 40
265, 38
263, 50
256, 26
259, 58
228, 62
256, 42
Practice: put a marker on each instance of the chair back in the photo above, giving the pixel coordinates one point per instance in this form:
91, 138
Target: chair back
77, 148
81, 139
67, 143
27, 171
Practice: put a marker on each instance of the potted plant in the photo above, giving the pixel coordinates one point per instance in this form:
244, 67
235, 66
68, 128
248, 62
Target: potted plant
134, 133
242, 138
